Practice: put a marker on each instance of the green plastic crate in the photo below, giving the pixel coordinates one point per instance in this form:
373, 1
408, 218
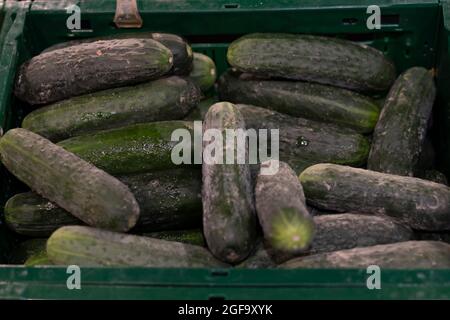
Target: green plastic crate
413, 33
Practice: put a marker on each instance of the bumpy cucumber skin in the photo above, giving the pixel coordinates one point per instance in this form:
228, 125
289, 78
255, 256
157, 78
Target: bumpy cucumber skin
305, 100
345, 231
282, 213
167, 200
194, 236
87, 192
229, 220
402, 255
400, 133
90, 67
417, 203
181, 51
132, 149
304, 143
169, 98
85, 246
323, 60
204, 72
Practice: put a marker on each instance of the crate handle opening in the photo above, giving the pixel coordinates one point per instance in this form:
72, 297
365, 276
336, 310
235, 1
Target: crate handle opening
231, 6
127, 14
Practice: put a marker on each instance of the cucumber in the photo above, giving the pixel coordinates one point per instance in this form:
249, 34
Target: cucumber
26, 250
403, 255
170, 98
199, 112
131, 149
420, 204
194, 236
229, 220
400, 133
167, 200
323, 60
303, 142
336, 232
259, 259
282, 213
90, 67
85, 246
38, 259
87, 192
204, 73
181, 51
305, 100
435, 176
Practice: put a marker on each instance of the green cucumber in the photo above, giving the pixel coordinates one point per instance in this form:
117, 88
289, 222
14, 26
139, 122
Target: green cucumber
181, 51
199, 112
169, 98
402, 255
303, 142
87, 192
435, 176
90, 67
305, 100
38, 259
204, 73
85, 246
336, 232
400, 133
281, 209
132, 149
167, 200
229, 220
420, 204
194, 236
318, 59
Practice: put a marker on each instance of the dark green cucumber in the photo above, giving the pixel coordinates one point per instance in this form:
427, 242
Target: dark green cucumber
181, 51
305, 100
85, 246
132, 149
420, 204
400, 133
87, 192
303, 143
280, 205
169, 98
336, 232
90, 67
204, 73
229, 220
199, 112
323, 60
167, 200
435, 176
32, 215
26, 249
194, 236
402, 255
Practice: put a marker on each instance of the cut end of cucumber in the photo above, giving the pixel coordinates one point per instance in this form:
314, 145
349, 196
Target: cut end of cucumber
292, 232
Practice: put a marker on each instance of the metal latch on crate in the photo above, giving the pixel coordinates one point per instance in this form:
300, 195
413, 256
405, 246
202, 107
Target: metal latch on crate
127, 14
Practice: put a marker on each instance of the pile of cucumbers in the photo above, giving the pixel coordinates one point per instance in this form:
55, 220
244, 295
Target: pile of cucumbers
353, 186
